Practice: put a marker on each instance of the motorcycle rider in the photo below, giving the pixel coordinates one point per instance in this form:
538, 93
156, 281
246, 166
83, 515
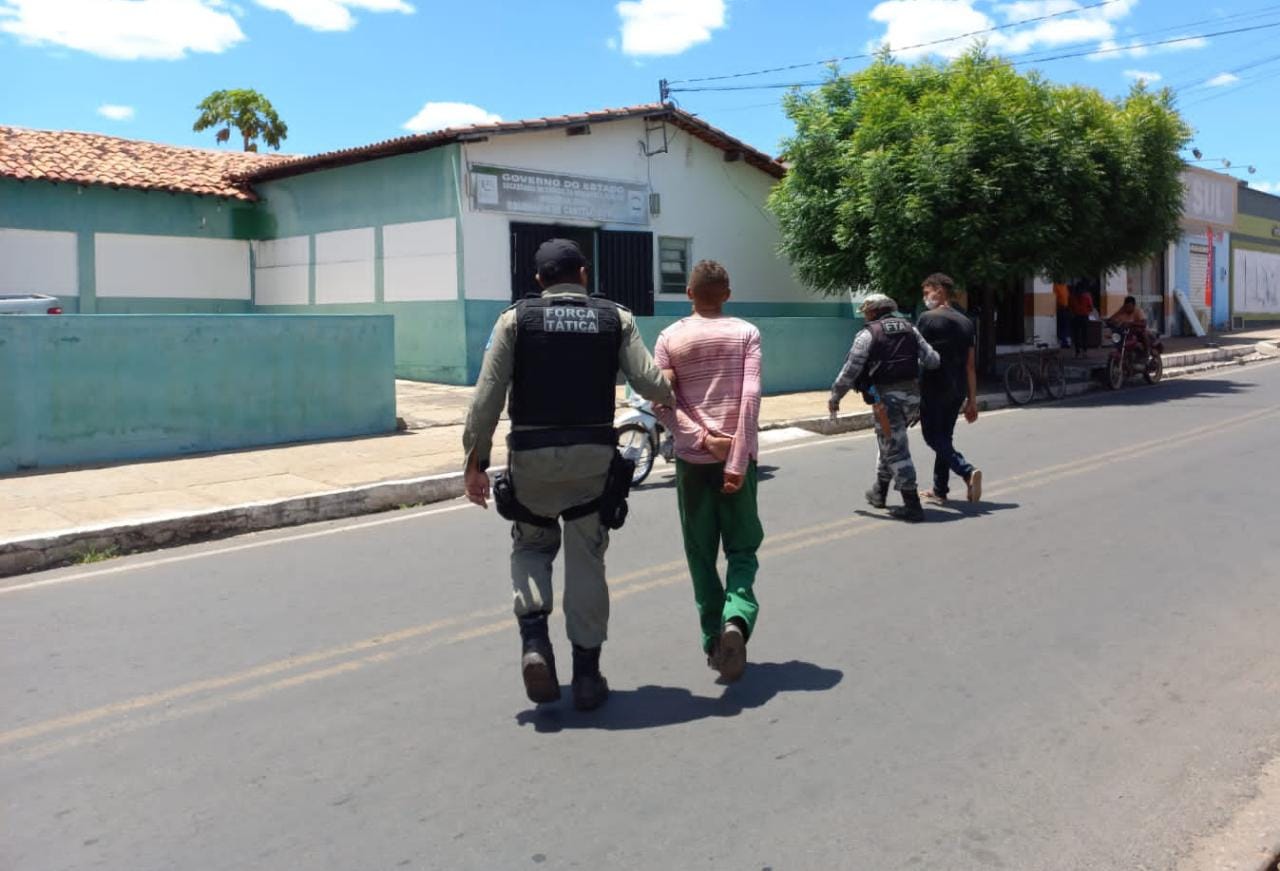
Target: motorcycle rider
884, 366
1130, 317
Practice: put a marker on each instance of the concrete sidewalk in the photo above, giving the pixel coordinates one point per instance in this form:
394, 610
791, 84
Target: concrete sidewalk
74, 514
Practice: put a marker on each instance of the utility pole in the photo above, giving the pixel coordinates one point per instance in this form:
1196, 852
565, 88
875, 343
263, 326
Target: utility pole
664, 91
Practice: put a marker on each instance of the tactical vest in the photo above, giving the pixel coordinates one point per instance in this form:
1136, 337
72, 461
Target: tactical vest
895, 353
566, 362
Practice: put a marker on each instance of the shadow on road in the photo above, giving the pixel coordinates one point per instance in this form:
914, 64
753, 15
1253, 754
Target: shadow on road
1136, 392
951, 512
649, 707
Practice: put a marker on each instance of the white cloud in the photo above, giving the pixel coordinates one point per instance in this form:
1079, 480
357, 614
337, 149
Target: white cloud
123, 29
1221, 80
116, 113
440, 116
913, 22
163, 29
919, 22
331, 14
1267, 187
662, 27
1144, 75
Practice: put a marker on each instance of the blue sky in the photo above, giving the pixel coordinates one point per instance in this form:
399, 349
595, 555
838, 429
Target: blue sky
349, 72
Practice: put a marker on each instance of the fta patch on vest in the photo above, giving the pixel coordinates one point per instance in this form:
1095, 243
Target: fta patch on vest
895, 326
570, 319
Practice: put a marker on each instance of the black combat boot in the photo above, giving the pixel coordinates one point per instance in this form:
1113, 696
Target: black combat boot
538, 660
878, 494
910, 510
590, 689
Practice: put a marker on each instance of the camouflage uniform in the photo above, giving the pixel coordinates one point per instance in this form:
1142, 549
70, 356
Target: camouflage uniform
902, 404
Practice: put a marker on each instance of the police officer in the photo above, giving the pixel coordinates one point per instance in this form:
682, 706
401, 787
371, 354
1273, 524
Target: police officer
558, 356
884, 366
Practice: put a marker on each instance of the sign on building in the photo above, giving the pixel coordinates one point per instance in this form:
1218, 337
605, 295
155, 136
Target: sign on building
552, 195
1208, 198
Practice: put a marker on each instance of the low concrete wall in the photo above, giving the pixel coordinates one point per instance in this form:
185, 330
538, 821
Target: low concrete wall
799, 353
90, 388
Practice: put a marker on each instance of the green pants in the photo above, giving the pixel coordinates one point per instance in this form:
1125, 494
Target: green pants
707, 518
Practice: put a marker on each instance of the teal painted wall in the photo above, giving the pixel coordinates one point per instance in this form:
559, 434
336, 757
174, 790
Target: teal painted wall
429, 336
394, 190
41, 205
88, 210
92, 388
800, 353
675, 306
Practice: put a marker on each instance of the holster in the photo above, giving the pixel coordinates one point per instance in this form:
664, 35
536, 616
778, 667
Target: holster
611, 504
510, 508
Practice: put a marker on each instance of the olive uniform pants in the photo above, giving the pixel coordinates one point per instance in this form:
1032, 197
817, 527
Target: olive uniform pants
709, 517
548, 481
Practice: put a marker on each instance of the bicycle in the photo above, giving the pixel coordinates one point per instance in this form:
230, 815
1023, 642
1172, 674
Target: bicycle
1020, 378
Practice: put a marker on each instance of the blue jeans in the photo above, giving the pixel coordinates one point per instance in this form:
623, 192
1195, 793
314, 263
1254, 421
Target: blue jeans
938, 414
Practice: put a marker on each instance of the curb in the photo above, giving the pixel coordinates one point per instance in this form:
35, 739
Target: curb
18, 556
60, 548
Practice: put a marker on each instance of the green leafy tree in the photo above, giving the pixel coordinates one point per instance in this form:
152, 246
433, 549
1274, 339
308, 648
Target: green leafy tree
973, 169
248, 112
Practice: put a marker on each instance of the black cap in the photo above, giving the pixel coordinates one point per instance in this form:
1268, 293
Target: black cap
559, 257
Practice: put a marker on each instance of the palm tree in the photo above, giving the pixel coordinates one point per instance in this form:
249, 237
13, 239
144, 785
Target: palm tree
247, 111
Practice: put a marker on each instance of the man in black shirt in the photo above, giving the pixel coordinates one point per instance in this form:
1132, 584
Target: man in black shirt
949, 388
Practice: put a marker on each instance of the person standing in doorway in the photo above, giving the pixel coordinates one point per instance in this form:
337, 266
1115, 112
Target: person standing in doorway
714, 362
1081, 308
557, 356
949, 389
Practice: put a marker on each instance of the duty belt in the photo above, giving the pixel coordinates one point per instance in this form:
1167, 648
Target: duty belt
532, 439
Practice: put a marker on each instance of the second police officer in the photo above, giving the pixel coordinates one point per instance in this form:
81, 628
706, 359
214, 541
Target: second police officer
557, 357
884, 366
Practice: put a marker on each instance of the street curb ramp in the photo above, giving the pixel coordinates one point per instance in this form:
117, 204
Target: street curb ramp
32, 554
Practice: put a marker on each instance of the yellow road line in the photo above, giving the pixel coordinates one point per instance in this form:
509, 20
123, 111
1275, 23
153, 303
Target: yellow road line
622, 587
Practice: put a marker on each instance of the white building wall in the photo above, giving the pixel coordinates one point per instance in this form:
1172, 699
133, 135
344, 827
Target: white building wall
36, 261
344, 266
281, 268
719, 205
420, 261
171, 266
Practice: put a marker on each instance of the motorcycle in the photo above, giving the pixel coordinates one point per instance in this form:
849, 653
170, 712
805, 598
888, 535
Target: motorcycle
1128, 357
642, 438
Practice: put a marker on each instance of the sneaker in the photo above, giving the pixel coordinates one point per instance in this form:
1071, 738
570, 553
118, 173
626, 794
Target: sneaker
975, 485
933, 498
733, 652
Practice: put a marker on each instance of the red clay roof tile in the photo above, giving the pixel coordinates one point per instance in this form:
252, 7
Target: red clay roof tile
94, 159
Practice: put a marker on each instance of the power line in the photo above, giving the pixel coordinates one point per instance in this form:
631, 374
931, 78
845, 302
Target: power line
1173, 41
1029, 58
817, 63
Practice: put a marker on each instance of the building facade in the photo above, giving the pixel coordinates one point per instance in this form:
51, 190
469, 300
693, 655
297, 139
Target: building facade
437, 230
1255, 260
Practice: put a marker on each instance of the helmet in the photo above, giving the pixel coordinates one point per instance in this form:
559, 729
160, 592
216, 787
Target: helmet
876, 304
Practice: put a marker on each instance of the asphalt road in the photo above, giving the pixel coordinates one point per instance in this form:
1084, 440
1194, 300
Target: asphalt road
1081, 672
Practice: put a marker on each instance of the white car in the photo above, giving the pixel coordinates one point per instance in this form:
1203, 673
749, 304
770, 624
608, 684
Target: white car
29, 304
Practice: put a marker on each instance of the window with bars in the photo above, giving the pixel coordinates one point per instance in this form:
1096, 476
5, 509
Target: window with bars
673, 263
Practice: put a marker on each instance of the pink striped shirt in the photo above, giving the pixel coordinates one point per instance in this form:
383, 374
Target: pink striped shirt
717, 366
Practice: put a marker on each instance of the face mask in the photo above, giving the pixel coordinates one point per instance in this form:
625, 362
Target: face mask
931, 303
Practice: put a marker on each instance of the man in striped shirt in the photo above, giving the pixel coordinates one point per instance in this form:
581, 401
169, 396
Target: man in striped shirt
714, 362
